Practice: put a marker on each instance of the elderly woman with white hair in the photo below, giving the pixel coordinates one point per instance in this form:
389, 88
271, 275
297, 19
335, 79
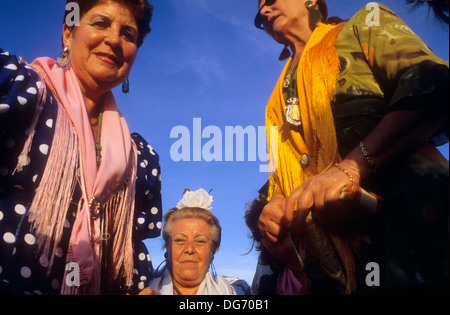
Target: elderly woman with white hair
192, 236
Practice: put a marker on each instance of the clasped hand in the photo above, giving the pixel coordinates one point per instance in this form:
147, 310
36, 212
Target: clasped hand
284, 217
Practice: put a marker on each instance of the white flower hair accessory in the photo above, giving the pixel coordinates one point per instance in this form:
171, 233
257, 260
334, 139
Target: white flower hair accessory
198, 199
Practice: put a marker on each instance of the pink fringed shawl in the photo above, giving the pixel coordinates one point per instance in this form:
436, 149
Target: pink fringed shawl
72, 159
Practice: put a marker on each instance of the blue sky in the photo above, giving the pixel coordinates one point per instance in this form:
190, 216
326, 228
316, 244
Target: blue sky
204, 60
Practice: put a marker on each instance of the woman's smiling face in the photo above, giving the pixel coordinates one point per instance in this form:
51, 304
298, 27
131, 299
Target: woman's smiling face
103, 47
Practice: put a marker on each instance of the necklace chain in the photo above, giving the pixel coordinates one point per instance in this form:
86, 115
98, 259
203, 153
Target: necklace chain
98, 147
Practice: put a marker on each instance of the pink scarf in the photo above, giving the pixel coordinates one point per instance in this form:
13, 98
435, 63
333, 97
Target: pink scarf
113, 183
287, 283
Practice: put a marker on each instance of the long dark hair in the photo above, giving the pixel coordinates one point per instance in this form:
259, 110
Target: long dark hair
439, 8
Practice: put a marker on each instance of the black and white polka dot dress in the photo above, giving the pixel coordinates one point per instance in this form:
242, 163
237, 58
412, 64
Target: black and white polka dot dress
22, 271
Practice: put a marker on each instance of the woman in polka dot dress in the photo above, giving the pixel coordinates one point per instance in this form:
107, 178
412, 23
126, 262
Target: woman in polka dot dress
78, 194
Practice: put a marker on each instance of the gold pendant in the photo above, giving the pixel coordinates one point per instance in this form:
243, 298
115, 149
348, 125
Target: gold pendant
293, 112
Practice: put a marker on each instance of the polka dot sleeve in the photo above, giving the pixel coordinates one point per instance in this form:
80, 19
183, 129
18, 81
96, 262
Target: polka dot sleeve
16, 92
148, 206
19, 86
148, 211
21, 271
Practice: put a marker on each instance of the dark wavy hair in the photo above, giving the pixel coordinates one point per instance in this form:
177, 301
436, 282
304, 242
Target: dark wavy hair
142, 12
439, 7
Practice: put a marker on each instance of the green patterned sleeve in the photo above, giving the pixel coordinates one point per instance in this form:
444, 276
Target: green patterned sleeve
409, 73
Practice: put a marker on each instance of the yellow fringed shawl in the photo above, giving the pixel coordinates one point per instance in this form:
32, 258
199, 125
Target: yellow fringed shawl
316, 82
317, 75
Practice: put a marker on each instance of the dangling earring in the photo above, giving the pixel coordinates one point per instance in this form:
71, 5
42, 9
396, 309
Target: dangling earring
63, 60
314, 15
285, 54
126, 86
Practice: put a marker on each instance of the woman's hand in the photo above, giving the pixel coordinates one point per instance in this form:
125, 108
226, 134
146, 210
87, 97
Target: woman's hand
398, 133
271, 220
319, 194
275, 238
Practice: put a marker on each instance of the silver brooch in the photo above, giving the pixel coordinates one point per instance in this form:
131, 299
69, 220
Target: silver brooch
305, 160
